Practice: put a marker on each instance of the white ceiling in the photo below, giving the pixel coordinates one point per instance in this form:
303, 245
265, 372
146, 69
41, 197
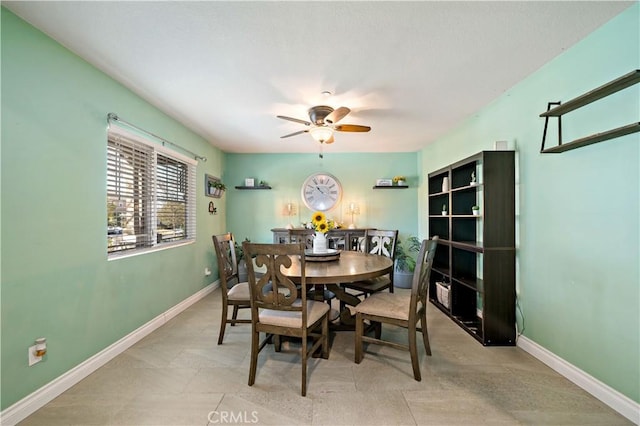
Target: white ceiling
410, 70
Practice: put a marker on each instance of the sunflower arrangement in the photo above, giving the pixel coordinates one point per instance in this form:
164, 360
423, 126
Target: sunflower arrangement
321, 224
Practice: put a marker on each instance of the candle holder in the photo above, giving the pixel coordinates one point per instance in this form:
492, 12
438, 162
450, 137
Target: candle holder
290, 209
354, 209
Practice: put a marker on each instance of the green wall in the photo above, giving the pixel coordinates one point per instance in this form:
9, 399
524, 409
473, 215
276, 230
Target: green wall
56, 280
252, 214
578, 212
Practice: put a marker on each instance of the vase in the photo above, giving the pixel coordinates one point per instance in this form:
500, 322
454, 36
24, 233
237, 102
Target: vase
445, 184
319, 243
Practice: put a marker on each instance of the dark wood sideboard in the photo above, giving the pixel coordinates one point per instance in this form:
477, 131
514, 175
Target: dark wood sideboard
339, 239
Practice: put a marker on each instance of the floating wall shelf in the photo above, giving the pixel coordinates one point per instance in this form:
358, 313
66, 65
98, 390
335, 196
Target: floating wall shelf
610, 88
254, 187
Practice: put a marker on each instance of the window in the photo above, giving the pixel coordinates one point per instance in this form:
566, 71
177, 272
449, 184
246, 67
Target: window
150, 194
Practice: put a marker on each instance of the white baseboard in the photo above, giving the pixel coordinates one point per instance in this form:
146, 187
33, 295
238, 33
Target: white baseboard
614, 399
39, 398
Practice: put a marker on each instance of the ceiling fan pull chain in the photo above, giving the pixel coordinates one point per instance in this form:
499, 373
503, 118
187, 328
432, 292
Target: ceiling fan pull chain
321, 155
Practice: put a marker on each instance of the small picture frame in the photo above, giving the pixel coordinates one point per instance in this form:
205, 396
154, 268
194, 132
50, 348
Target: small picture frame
384, 182
249, 182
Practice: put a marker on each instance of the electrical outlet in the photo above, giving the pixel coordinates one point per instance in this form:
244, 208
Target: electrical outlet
207, 272
33, 358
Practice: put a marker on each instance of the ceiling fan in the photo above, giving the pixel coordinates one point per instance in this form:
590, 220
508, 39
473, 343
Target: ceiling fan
322, 123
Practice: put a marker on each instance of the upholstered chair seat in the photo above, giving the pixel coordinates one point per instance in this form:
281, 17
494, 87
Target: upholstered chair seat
389, 305
239, 291
315, 311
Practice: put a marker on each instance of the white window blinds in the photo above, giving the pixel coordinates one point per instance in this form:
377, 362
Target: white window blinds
150, 194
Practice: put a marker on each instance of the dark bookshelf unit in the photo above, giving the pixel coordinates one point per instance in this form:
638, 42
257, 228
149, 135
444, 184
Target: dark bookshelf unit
476, 254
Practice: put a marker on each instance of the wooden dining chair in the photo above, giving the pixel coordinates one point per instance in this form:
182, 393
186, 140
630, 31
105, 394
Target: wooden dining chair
302, 236
400, 309
279, 308
234, 293
383, 243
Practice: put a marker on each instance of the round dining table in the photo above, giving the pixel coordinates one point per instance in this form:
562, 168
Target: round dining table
349, 266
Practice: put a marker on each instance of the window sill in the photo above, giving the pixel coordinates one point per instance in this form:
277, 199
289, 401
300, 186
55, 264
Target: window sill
131, 253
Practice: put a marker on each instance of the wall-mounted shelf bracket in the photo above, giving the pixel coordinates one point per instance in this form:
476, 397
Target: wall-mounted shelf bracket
605, 90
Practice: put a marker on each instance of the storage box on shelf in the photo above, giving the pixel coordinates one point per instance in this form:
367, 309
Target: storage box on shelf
476, 254
442, 293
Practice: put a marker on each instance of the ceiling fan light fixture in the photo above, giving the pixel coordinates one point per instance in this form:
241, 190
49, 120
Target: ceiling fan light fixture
321, 133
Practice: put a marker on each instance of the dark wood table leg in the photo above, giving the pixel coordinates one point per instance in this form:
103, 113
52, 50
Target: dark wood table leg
347, 321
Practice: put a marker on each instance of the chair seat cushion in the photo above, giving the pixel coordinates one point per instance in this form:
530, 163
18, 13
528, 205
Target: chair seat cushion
239, 291
372, 285
315, 311
390, 305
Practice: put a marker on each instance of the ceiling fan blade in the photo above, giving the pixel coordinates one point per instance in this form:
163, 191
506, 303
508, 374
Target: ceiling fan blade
337, 115
299, 132
330, 140
296, 120
351, 128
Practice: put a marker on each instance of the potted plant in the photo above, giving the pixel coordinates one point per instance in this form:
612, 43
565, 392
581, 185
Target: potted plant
399, 180
475, 210
444, 210
219, 188
405, 260
242, 264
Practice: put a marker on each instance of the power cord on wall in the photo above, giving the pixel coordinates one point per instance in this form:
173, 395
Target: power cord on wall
519, 330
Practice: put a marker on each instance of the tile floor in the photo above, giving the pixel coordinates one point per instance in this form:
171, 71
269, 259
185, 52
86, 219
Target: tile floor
179, 376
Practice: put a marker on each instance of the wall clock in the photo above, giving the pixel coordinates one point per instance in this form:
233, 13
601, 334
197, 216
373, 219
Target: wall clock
321, 191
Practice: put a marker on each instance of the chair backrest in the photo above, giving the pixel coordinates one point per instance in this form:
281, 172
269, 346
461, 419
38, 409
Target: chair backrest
227, 264
302, 236
422, 273
274, 290
354, 240
381, 242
